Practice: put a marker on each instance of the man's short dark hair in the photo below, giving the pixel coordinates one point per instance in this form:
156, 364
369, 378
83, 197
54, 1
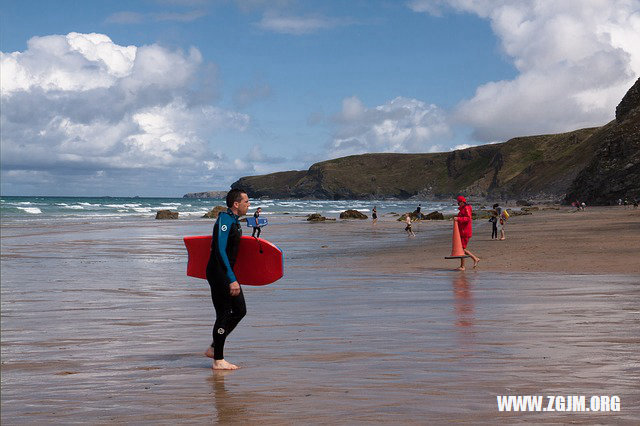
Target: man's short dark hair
234, 195
495, 205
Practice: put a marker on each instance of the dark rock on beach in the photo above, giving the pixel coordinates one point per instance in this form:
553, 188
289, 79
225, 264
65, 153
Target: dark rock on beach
352, 214
317, 217
166, 214
213, 213
434, 216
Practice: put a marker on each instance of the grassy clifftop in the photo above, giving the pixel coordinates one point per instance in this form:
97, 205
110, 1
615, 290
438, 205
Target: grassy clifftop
596, 165
527, 166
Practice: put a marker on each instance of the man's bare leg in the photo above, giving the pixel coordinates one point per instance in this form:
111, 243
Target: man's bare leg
221, 364
461, 267
209, 352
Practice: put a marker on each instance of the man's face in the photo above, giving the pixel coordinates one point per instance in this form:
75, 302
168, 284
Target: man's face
243, 205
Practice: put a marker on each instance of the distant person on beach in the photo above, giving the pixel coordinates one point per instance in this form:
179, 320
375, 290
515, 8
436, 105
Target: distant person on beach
258, 228
374, 215
501, 220
226, 292
418, 211
407, 228
464, 221
494, 221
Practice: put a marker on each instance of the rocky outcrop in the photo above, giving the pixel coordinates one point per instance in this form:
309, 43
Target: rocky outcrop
317, 217
434, 216
614, 170
629, 102
352, 214
213, 213
166, 214
274, 185
220, 195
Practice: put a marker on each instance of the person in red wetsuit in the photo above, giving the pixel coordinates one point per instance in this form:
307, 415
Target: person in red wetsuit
464, 221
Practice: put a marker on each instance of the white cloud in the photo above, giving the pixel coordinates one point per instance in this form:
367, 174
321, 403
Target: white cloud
461, 146
81, 102
298, 25
575, 58
74, 62
400, 125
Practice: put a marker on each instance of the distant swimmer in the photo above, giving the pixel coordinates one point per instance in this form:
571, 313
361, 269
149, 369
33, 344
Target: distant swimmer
464, 221
408, 227
374, 215
226, 292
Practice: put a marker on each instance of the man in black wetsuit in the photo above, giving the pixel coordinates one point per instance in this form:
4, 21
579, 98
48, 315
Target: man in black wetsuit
226, 293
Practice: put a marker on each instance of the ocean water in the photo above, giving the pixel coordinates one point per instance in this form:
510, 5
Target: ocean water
118, 208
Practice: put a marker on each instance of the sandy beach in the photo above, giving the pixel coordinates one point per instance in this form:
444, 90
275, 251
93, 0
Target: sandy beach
101, 325
597, 240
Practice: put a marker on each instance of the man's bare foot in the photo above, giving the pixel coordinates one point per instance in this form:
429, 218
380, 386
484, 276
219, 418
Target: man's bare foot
460, 268
221, 364
209, 352
475, 263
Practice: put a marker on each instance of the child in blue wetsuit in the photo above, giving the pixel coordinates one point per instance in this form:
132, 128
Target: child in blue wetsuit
256, 215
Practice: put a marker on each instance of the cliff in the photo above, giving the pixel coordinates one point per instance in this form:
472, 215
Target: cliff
614, 170
537, 166
592, 164
207, 194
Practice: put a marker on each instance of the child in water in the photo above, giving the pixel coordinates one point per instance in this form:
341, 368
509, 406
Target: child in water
408, 227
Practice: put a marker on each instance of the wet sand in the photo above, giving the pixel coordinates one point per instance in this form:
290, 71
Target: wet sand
100, 325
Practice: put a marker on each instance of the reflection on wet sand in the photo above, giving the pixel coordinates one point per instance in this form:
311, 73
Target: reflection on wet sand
463, 301
230, 407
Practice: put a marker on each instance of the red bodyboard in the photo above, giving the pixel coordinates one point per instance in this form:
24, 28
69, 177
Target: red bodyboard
258, 263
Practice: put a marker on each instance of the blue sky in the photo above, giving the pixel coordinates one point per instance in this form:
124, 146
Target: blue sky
164, 97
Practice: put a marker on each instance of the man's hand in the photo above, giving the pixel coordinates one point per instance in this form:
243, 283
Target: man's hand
235, 288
